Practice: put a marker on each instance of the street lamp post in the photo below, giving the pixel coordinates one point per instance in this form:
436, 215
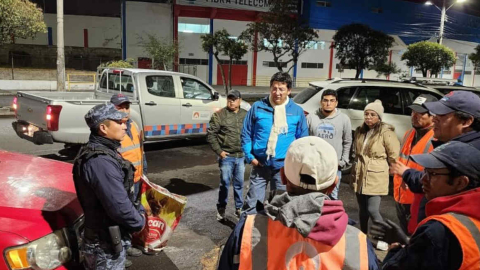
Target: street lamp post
444, 14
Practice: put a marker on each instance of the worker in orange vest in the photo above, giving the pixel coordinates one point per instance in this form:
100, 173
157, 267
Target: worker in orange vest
132, 150
449, 238
300, 228
417, 140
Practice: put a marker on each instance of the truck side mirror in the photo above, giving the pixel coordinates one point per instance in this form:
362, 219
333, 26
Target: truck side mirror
215, 96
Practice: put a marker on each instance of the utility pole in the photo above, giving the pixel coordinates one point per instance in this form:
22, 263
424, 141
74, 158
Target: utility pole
442, 23
60, 48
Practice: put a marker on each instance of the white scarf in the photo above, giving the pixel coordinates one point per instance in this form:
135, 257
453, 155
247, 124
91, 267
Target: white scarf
279, 126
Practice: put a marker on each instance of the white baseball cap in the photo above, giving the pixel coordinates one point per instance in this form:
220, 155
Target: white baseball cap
312, 156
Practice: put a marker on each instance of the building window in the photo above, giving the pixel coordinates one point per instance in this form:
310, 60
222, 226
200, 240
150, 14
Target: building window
315, 45
267, 44
272, 64
193, 28
312, 65
193, 61
324, 4
339, 67
234, 62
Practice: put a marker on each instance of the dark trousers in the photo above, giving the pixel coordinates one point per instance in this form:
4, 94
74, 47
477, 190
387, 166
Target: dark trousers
403, 214
369, 207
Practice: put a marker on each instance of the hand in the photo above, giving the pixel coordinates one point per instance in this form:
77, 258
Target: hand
389, 232
398, 168
256, 163
224, 154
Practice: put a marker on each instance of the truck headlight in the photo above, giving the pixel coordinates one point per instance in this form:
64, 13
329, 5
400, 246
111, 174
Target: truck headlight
48, 252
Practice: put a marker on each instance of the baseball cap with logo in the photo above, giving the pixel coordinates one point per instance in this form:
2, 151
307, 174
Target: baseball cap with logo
462, 101
102, 112
417, 104
314, 157
462, 157
118, 99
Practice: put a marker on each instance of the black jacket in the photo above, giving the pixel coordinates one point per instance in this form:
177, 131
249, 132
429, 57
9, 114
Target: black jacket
100, 186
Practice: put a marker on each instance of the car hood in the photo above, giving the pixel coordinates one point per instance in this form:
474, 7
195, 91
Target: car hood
37, 195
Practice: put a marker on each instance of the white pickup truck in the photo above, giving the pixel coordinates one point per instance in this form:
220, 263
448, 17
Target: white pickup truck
165, 105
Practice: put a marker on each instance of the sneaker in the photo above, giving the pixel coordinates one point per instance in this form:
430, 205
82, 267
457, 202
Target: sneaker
128, 263
134, 252
220, 214
238, 212
382, 245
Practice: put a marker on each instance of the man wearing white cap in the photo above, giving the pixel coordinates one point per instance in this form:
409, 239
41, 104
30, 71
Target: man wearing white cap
300, 228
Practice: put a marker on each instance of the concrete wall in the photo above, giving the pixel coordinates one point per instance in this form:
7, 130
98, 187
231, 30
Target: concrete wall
103, 32
146, 18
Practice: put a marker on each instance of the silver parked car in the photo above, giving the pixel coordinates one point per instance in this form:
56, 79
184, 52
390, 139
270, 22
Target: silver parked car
354, 95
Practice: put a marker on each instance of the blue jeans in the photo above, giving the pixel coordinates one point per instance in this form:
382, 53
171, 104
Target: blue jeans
259, 177
334, 195
231, 167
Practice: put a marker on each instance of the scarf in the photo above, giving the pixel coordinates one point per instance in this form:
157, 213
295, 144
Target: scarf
279, 126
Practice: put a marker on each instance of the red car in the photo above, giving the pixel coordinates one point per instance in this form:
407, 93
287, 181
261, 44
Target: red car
40, 215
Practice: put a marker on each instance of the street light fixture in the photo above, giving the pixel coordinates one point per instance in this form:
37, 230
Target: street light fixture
444, 11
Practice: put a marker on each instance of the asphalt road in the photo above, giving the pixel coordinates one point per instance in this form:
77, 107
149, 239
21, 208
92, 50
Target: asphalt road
189, 168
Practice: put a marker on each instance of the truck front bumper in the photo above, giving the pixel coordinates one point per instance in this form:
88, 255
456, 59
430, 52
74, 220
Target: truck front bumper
36, 136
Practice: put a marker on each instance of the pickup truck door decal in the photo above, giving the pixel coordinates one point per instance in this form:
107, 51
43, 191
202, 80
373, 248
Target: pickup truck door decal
176, 129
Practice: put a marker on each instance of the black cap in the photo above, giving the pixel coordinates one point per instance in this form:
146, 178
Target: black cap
118, 99
102, 112
462, 101
234, 94
460, 156
417, 104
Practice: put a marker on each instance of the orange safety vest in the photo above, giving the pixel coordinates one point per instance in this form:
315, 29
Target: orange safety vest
401, 193
132, 151
268, 244
467, 231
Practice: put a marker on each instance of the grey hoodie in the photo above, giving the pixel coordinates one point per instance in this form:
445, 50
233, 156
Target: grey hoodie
336, 129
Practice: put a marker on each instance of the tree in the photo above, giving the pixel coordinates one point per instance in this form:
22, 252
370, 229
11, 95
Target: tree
161, 51
431, 56
286, 34
384, 69
127, 63
221, 42
235, 50
475, 58
214, 43
361, 47
20, 19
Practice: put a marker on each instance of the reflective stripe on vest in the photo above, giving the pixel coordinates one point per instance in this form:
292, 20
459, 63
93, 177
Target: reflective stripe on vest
467, 231
268, 244
131, 150
401, 193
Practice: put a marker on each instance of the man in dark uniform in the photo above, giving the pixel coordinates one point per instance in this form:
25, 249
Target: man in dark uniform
104, 185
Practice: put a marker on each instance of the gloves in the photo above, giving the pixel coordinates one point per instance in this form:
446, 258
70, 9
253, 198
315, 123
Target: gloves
389, 232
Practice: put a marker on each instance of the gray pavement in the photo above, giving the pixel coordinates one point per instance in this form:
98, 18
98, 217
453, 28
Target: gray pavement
189, 168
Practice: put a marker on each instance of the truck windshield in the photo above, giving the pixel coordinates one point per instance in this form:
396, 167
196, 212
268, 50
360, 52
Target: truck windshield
117, 82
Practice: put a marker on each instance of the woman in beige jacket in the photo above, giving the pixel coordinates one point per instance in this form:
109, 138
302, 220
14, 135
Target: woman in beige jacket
376, 146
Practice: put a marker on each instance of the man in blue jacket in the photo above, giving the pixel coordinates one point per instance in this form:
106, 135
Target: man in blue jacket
104, 186
269, 128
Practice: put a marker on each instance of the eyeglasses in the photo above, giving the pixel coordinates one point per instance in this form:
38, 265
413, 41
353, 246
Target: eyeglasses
429, 174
